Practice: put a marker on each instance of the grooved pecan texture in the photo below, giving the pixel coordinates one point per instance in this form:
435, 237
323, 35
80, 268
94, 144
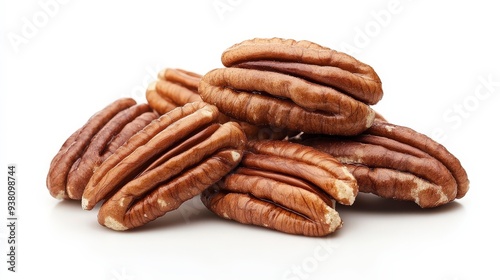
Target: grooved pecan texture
89, 146
297, 85
177, 87
284, 186
171, 160
397, 162
274, 139
172, 89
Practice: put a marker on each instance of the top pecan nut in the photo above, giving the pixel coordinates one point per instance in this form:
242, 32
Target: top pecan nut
297, 85
397, 162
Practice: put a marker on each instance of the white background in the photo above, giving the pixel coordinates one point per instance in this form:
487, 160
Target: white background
60, 63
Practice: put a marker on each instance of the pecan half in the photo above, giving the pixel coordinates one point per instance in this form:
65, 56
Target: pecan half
84, 151
171, 160
284, 186
297, 85
172, 89
397, 162
177, 87
310, 61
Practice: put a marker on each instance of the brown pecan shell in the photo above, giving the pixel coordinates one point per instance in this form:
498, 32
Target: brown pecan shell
84, 151
284, 186
168, 162
397, 162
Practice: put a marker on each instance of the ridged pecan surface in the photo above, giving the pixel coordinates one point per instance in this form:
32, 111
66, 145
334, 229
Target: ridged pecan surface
397, 162
173, 88
89, 146
177, 87
284, 186
170, 161
297, 85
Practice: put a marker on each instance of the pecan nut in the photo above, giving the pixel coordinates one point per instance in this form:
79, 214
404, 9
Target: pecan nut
172, 89
397, 162
284, 186
177, 87
84, 151
171, 160
297, 85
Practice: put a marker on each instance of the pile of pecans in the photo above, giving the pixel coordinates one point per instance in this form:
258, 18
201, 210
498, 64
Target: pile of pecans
275, 138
